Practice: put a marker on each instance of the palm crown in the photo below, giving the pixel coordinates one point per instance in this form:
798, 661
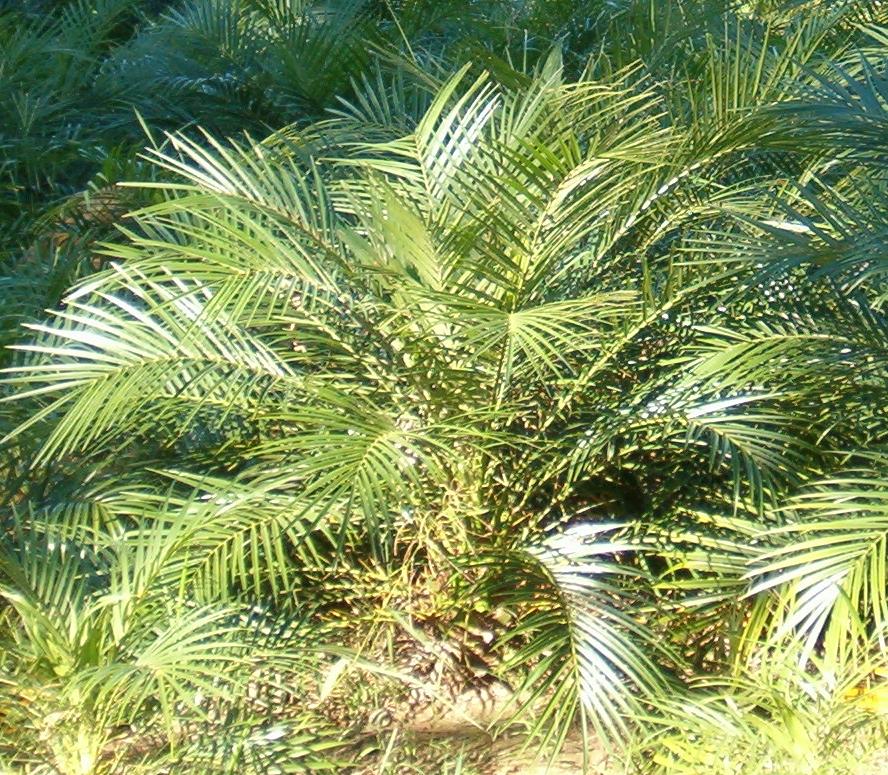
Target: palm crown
601, 357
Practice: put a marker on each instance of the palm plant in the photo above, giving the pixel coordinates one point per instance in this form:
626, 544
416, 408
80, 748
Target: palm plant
597, 360
99, 651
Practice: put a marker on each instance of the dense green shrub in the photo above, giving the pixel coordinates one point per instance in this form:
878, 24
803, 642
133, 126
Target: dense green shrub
545, 340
